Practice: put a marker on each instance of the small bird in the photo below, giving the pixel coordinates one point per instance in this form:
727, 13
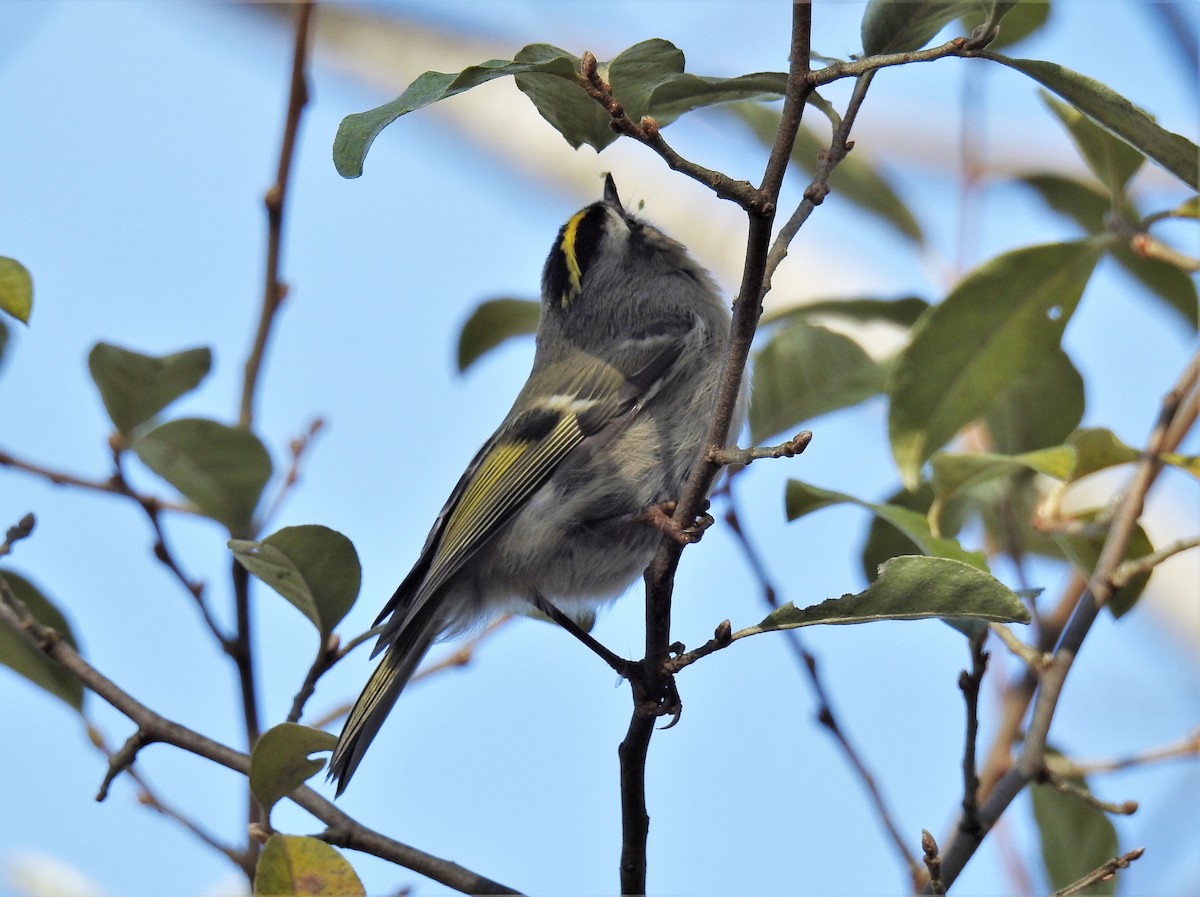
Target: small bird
550, 513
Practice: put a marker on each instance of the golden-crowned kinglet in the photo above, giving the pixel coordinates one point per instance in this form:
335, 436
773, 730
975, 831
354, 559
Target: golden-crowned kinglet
630, 343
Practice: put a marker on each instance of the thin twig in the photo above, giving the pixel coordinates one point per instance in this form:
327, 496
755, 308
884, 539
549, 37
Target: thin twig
327, 655
297, 449
933, 863
1103, 872
1147, 563
22, 529
61, 478
789, 449
1065, 766
341, 830
274, 290
968, 684
1066, 786
1034, 659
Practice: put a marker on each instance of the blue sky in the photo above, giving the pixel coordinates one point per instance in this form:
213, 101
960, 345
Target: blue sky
139, 139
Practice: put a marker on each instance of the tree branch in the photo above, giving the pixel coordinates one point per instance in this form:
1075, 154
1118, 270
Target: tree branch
1101, 873
341, 831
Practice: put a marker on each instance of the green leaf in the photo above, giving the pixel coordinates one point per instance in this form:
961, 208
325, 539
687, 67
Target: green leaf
902, 312
16, 289
495, 322
891, 27
1112, 161
1020, 21
686, 92
1098, 449
300, 866
1076, 837
1087, 205
1039, 410
909, 588
1083, 550
357, 132
222, 469
804, 371
279, 763
954, 473
855, 179
19, 655
995, 328
562, 101
135, 387
1114, 113
802, 498
313, 567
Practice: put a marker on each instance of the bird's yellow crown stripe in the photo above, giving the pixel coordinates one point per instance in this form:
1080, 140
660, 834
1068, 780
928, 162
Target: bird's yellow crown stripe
570, 232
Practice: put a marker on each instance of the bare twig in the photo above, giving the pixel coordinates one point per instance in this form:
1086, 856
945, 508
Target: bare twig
968, 684
274, 290
1138, 566
1066, 786
1065, 766
933, 863
327, 656
296, 448
1103, 872
1034, 659
341, 830
22, 529
61, 478
789, 449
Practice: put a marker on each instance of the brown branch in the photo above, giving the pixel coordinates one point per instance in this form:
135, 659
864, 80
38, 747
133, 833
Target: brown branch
61, 478
656, 682
1065, 766
968, 684
274, 289
1103, 872
1069, 788
933, 863
743, 457
341, 830
22, 529
1176, 417
296, 449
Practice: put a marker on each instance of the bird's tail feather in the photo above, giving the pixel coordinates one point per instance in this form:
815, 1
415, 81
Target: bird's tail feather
381, 692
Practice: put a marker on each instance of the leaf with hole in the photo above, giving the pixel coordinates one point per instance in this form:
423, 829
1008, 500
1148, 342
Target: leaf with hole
279, 763
313, 567
221, 469
135, 387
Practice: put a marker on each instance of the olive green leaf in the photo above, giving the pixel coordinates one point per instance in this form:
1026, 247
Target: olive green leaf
903, 312
1114, 113
1083, 549
135, 387
301, 865
994, 329
1040, 409
313, 567
891, 27
16, 289
802, 498
1020, 21
909, 588
221, 469
1087, 205
279, 763
1076, 837
804, 371
492, 323
1111, 160
19, 655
